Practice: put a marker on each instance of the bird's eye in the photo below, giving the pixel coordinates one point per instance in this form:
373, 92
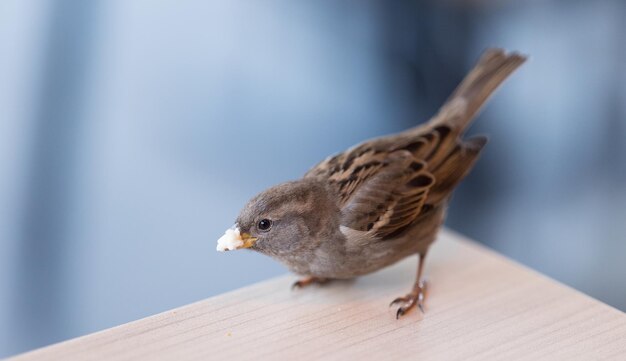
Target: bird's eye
264, 224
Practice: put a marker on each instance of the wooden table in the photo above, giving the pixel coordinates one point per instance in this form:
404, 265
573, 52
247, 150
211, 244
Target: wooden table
480, 306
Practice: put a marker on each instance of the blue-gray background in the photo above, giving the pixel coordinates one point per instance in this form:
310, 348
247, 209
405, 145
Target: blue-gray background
131, 132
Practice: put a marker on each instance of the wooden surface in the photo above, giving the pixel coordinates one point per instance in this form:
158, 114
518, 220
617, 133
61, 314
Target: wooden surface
480, 306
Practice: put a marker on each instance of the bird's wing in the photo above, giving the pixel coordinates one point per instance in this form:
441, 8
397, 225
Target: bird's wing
384, 184
390, 200
380, 190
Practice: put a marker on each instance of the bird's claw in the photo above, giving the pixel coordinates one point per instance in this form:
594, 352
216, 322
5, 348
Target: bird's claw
421, 306
408, 304
308, 281
297, 284
398, 300
415, 298
400, 312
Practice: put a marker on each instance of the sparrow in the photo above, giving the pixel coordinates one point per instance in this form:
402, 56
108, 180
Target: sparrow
378, 202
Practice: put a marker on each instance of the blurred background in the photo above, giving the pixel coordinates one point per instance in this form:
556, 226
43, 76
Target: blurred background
131, 133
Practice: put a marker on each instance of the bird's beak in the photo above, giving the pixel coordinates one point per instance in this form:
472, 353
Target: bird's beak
233, 239
248, 240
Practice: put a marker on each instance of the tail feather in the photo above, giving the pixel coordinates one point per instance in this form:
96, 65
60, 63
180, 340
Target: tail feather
493, 67
439, 142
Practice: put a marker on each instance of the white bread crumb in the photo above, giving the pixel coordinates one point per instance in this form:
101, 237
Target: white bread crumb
231, 240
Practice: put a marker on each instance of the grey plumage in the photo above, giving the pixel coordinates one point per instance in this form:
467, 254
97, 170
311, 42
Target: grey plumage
380, 201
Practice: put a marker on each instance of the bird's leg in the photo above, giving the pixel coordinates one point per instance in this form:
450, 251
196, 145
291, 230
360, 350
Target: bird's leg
416, 296
308, 281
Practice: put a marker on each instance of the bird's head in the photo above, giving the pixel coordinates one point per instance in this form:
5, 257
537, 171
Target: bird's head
280, 219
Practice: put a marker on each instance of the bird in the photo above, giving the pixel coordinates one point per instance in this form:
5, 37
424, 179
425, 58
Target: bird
378, 202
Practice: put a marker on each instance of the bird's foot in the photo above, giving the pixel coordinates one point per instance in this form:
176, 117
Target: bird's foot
309, 281
415, 298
